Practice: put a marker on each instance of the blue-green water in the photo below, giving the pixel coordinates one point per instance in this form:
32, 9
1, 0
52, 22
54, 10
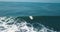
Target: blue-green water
27, 8
47, 14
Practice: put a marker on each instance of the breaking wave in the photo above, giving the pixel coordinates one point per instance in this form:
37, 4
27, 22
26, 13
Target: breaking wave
11, 24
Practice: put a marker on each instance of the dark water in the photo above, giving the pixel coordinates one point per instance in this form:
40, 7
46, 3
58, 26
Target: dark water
27, 8
48, 21
47, 14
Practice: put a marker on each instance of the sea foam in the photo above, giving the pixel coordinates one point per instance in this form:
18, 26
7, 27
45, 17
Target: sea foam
10, 24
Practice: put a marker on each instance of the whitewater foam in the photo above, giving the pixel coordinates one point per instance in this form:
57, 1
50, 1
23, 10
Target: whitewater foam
10, 24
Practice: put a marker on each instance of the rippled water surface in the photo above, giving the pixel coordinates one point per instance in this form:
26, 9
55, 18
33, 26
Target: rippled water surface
29, 8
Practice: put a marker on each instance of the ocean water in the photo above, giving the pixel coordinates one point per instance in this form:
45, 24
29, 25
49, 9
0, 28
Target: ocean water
29, 8
14, 16
18, 24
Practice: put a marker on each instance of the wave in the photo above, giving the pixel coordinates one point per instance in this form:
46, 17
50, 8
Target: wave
12, 24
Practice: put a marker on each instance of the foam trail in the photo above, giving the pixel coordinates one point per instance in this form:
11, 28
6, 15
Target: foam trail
11, 25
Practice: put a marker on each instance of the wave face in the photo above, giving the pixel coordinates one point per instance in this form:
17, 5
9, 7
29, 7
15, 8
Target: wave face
11, 24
